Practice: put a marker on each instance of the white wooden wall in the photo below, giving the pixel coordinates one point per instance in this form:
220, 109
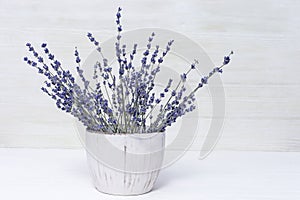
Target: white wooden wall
262, 83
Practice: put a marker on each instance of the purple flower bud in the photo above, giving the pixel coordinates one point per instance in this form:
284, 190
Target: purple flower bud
170, 42
121, 71
48, 84
144, 60
153, 60
40, 59
217, 69
204, 80
226, 60
51, 57
183, 77
45, 67
146, 53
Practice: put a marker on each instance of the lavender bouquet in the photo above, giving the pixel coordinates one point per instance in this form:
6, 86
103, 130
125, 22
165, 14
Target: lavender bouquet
123, 99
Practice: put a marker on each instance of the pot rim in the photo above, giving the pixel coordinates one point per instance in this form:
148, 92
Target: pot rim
111, 133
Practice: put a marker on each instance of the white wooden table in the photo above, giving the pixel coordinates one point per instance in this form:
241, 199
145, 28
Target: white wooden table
50, 174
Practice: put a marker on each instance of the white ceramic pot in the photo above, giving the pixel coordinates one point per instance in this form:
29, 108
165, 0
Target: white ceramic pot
124, 164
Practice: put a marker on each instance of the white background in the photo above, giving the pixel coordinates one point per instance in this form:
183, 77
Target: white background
262, 83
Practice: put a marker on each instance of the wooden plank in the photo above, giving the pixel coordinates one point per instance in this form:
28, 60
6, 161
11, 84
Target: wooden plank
262, 84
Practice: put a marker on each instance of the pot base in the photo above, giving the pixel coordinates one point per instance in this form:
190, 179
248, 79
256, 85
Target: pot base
114, 182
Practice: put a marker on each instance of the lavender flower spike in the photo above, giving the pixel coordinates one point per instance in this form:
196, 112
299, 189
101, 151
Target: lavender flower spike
120, 98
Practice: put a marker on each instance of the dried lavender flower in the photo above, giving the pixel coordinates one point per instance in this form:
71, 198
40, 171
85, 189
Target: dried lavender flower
123, 103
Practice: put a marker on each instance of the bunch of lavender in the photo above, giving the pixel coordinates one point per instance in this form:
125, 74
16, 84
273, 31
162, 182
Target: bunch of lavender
123, 99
